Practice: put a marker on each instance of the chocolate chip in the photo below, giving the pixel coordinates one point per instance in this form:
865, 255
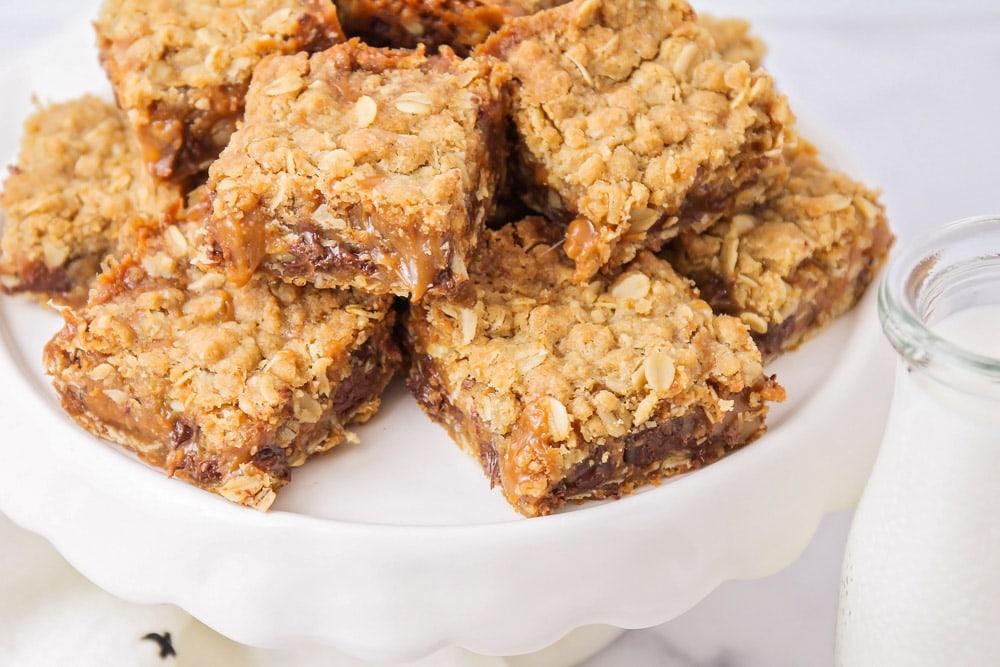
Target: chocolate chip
311, 255
183, 432
591, 472
648, 447
272, 460
207, 472
490, 460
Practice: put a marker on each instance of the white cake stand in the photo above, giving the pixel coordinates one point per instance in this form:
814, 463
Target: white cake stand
395, 548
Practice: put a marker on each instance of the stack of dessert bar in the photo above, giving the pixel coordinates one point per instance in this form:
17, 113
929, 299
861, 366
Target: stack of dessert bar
580, 228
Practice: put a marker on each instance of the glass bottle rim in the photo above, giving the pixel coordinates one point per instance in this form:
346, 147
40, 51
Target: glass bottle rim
912, 272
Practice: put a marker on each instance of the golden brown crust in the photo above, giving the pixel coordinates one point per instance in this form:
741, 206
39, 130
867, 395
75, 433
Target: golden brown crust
78, 186
792, 265
459, 24
538, 376
733, 39
224, 387
362, 166
630, 121
180, 68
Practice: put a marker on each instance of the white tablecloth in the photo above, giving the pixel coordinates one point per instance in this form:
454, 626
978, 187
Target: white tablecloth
904, 95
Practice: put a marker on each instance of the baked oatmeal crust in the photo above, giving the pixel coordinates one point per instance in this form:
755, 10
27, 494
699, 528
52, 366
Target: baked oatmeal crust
361, 166
180, 68
734, 40
791, 265
225, 387
71, 199
459, 24
630, 121
567, 390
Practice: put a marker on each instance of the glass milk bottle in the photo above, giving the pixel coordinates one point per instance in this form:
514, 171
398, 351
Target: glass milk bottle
921, 577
